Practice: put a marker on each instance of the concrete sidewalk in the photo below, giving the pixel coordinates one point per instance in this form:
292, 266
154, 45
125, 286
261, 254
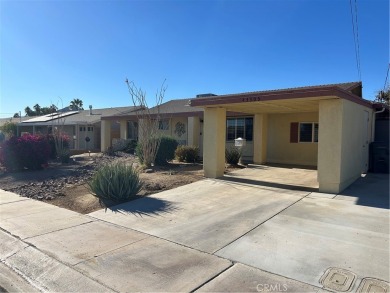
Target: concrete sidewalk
208, 236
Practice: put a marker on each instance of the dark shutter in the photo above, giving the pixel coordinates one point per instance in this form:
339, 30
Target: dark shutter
294, 132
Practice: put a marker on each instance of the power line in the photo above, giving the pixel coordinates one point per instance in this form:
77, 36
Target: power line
356, 38
387, 76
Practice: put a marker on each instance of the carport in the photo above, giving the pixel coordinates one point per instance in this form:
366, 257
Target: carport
327, 126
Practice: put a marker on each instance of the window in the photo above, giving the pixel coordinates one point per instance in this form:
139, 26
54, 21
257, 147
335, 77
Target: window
308, 132
163, 124
239, 127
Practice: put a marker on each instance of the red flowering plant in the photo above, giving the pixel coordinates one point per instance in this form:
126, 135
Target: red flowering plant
28, 151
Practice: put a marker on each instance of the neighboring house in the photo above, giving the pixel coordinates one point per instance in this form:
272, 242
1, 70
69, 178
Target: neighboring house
177, 119
78, 125
183, 122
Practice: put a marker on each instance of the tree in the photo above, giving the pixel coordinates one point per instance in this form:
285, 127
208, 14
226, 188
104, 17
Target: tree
9, 128
37, 109
383, 96
16, 115
149, 137
76, 104
29, 112
40, 110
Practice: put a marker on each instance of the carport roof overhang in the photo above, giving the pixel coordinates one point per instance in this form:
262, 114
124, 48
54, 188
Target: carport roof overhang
281, 101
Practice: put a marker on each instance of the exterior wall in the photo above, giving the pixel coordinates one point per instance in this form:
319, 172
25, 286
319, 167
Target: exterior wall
173, 131
344, 136
193, 131
22, 129
69, 130
115, 130
279, 148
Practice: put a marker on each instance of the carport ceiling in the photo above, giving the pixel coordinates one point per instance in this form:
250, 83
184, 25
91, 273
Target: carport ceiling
275, 106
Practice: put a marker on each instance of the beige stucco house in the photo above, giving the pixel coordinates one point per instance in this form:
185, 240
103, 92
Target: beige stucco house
328, 127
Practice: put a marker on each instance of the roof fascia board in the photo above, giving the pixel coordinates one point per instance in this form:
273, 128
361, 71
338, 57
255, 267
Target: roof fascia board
280, 95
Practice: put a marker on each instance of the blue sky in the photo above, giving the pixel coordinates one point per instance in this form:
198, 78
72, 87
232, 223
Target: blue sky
61, 50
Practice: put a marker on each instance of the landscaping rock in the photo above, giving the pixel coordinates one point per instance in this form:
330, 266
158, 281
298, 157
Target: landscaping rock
52, 186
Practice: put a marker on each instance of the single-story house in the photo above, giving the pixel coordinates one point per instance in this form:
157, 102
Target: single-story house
329, 127
82, 126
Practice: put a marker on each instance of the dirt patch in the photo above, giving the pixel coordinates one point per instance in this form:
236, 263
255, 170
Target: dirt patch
65, 185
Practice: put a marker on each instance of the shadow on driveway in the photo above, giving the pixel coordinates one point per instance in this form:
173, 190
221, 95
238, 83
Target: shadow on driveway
233, 178
146, 206
371, 190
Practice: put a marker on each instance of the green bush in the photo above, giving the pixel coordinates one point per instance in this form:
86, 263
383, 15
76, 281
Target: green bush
130, 146
165, 151
186, 153
232, 155
116, 182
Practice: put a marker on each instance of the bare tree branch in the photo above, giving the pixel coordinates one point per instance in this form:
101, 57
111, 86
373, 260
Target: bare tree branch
149, 136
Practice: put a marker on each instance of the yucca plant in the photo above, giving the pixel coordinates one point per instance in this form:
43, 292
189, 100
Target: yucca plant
115, 182
232, 155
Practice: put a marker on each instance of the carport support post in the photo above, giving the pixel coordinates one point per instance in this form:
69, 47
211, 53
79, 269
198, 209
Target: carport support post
343, 132
260, 126
123, 129
214, 142
193, 131
105, 135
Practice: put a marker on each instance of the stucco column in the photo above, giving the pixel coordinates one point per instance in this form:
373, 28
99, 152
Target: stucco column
340, 140
105, 135
123, 129
214, 142
193, 131
260, 128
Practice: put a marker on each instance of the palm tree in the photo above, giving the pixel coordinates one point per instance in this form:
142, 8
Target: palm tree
76, 104
37, 109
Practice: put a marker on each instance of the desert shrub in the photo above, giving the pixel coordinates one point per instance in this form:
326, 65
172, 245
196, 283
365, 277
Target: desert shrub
186, 153
130, 146
124, 145
165, 152
119, 144
63, 143
116, 182
28, 151
232, 155
139, 153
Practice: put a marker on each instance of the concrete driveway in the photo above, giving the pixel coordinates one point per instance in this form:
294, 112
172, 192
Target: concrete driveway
212, 235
